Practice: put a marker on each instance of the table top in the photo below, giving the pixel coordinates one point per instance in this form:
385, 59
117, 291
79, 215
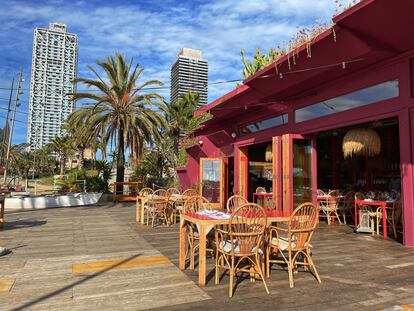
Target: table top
373, 202
273, 216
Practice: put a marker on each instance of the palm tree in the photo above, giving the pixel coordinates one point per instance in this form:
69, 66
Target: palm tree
78, 128
64, 147
180, 115
119, 107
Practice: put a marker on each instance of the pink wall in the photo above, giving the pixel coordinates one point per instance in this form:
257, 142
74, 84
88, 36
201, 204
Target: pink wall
397, 68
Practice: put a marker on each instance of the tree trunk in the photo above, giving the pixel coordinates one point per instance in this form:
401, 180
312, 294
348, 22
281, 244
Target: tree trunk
120, 162
81, 158
177, 144
62, 165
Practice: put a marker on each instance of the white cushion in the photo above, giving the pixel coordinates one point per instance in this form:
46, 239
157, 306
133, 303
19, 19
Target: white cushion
283, 244
226, 246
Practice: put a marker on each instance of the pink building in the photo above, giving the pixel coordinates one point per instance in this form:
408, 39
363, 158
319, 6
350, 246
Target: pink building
357, 75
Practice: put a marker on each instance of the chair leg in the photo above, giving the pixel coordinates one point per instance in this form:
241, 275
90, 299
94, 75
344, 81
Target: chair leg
231, 277
217, 279
337, 216
290, 270
268, 261
192, 254
312, 265
259, 267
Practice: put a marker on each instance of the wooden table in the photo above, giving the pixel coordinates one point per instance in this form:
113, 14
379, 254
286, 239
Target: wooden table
142, 200
381, 204
2, 200
204, 226
265, 195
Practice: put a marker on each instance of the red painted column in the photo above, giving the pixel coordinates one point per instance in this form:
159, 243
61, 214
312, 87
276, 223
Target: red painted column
406, 165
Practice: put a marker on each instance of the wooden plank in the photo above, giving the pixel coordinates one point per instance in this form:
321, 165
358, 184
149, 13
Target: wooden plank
6, 285
95, 266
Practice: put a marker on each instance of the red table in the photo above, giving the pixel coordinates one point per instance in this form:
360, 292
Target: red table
381, 204
265, 195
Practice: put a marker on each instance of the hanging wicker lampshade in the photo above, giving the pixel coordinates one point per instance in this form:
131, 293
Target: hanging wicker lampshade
269, 153
361, 141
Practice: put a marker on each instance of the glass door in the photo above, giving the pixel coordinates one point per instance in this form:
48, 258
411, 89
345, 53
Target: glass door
298, 170
212, 177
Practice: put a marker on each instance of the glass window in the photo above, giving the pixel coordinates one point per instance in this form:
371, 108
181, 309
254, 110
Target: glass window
348, 101
264, 124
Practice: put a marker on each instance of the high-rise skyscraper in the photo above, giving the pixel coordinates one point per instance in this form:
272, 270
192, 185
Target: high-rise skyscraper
54, 67
189, 74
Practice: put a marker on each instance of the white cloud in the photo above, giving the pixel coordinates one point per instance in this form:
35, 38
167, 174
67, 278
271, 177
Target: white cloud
153, 35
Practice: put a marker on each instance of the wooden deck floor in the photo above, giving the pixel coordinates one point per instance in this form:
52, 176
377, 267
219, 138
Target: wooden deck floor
97, 258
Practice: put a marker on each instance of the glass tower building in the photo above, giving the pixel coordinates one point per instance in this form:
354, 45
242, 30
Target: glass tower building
54, 67
189, 74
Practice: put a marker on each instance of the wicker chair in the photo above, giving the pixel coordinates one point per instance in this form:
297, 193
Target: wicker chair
189, 193
240, 248
173, 191
260, 190
235, 201
330, 207
293, 242
145, 192
158, 209
347, 205
321, 193
395, 216
375, 215
194, 204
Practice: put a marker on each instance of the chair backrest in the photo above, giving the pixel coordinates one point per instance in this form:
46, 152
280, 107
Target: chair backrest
396, 215
359, 196
260, 190
382, 195
321, 193
334, 193
235, 201
190, 192
349, 199
145, 192
301, 225
246, 227
160, 193
173, 191
196, 203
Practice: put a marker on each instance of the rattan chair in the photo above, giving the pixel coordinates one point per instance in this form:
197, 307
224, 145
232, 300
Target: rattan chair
321, 193
158, 209
194, 204
260, 190
374, 214
394, 217
189, 193
145, 192
291, 244
173, 191
240, 247
330, 207
235, 201
346, 206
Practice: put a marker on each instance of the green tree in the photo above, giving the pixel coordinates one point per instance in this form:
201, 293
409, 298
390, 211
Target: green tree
180, 116
64, 148
129, 117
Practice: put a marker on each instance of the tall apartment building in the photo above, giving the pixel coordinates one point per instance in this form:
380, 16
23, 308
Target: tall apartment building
189, 73
54, 67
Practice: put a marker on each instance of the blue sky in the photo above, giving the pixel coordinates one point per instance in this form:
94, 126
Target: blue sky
152, 32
